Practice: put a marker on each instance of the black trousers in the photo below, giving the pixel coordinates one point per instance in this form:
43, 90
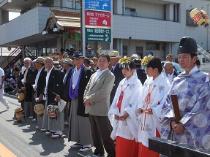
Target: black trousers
101, 130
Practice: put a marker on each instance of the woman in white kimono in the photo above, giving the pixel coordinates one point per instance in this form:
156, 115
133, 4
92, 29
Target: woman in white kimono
122, 112
154, 93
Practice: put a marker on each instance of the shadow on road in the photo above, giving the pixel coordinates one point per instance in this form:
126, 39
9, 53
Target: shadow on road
49, 145
74, 152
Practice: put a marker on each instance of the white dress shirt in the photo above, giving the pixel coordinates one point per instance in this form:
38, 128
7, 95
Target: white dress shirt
99, 73
75, 77
47, 79
24, 76
37, 78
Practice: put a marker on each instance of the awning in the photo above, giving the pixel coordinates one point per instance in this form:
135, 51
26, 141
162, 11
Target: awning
64, 21
59, 20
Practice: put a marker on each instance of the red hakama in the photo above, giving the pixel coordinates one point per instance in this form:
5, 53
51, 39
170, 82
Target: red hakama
126, 148
146, 152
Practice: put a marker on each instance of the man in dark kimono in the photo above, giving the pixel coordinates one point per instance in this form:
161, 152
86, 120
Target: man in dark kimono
79, 124
52, 91
39, 86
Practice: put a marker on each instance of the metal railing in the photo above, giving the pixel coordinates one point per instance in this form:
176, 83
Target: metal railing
204, 52
12, 57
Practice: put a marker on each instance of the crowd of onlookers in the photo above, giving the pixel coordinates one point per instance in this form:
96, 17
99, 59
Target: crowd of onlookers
117, 103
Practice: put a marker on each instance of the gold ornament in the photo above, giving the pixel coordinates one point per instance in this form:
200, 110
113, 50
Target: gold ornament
146, 60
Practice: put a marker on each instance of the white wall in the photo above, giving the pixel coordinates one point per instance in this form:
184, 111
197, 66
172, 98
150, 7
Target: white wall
146, 29
145, 9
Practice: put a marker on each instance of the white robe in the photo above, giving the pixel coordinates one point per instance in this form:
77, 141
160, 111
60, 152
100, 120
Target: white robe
149, 123
127, 129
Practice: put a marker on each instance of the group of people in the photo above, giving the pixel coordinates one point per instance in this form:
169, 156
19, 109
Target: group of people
119, 107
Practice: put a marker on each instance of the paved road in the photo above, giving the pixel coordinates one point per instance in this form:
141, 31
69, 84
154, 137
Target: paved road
24, 141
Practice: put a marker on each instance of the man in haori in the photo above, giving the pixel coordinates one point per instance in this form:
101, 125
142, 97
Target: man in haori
193, 92
53, 90
122, 112
79, 124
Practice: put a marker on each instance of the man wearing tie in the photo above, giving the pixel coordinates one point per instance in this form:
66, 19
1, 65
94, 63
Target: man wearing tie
97, 102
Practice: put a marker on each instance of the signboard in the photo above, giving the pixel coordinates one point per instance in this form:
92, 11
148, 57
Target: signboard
97, 18
102, 5
98, 34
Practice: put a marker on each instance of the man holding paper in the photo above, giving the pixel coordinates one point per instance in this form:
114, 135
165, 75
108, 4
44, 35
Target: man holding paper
191, 88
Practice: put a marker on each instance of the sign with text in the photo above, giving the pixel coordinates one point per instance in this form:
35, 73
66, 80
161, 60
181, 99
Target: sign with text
98, 34
97, 18
103, 5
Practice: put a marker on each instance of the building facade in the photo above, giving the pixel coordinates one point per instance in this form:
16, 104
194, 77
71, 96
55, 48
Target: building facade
139, 26
156, 26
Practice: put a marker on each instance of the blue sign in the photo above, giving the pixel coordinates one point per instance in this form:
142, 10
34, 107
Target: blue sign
102, 5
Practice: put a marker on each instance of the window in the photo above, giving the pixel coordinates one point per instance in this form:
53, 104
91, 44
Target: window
152, 46
115, 7
171, 12
125, 50
165, 6
176, 13
130, 11
139, 51
115, 44
68, 3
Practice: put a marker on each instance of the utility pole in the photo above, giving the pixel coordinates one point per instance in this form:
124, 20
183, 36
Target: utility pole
207, 30
82, 23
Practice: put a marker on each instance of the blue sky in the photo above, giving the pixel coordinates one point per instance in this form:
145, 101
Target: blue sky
13, 15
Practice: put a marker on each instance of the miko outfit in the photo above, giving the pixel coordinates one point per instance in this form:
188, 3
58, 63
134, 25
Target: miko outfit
127, 98
193, 92
153, 95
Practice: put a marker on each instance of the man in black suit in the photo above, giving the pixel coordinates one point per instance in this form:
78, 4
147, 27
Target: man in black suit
28, 81
117, 71
52, 92
39, 85
142, 76
67, 67
79, 124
